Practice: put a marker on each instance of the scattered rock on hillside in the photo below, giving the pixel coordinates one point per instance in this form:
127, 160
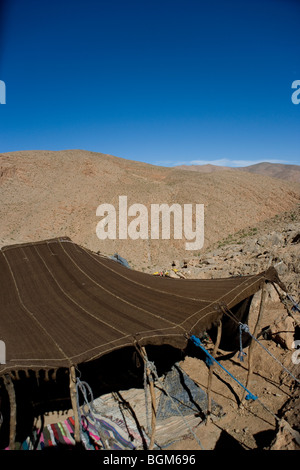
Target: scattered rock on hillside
283, 331
241, 255
286, 438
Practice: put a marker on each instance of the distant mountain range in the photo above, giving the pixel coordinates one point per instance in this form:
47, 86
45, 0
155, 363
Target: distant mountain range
274, 170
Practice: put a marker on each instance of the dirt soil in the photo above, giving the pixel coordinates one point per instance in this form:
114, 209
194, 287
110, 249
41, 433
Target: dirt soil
246, 424
263, 423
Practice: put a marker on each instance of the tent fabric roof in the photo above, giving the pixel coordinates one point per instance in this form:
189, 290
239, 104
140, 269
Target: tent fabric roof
62, 305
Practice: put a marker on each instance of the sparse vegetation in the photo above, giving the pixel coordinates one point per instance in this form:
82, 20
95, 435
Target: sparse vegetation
237, 237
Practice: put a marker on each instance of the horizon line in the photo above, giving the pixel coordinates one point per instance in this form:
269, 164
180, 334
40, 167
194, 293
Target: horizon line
222, 162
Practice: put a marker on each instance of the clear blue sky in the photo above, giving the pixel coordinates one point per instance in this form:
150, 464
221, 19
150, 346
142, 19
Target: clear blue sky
161, 81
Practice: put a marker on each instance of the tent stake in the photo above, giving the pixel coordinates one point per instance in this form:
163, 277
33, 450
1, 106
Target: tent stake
73, 394
210, 375
13, 411
153, 400
252, 344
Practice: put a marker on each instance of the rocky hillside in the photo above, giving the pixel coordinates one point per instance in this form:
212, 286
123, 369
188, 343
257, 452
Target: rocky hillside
275, 242
273, 170
50, 194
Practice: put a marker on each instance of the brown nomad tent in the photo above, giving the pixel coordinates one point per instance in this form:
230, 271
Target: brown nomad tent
63, 305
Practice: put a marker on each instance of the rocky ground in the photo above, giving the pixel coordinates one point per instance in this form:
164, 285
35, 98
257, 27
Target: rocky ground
273, 243
273, 421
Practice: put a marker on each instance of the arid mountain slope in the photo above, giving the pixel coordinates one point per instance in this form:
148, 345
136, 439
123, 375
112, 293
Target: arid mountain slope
46, 194
274, 170
203, 168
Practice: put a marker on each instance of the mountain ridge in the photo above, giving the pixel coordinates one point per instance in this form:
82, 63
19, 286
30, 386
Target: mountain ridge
47, 194
286, 172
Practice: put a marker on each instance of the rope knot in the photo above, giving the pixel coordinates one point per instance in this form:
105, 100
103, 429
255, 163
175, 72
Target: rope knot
241, 355
151, 366
244, 327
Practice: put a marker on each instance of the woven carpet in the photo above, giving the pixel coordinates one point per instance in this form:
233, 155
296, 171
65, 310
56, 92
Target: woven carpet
60, 436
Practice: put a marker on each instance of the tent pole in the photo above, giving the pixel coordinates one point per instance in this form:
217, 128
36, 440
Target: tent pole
252, 344
73, 394
153, 401
210, 375
13, 411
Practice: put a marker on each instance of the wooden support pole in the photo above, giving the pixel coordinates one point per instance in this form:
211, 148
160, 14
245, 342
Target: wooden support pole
153, 401
13, 411
252, 343
73, 394
210, 374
